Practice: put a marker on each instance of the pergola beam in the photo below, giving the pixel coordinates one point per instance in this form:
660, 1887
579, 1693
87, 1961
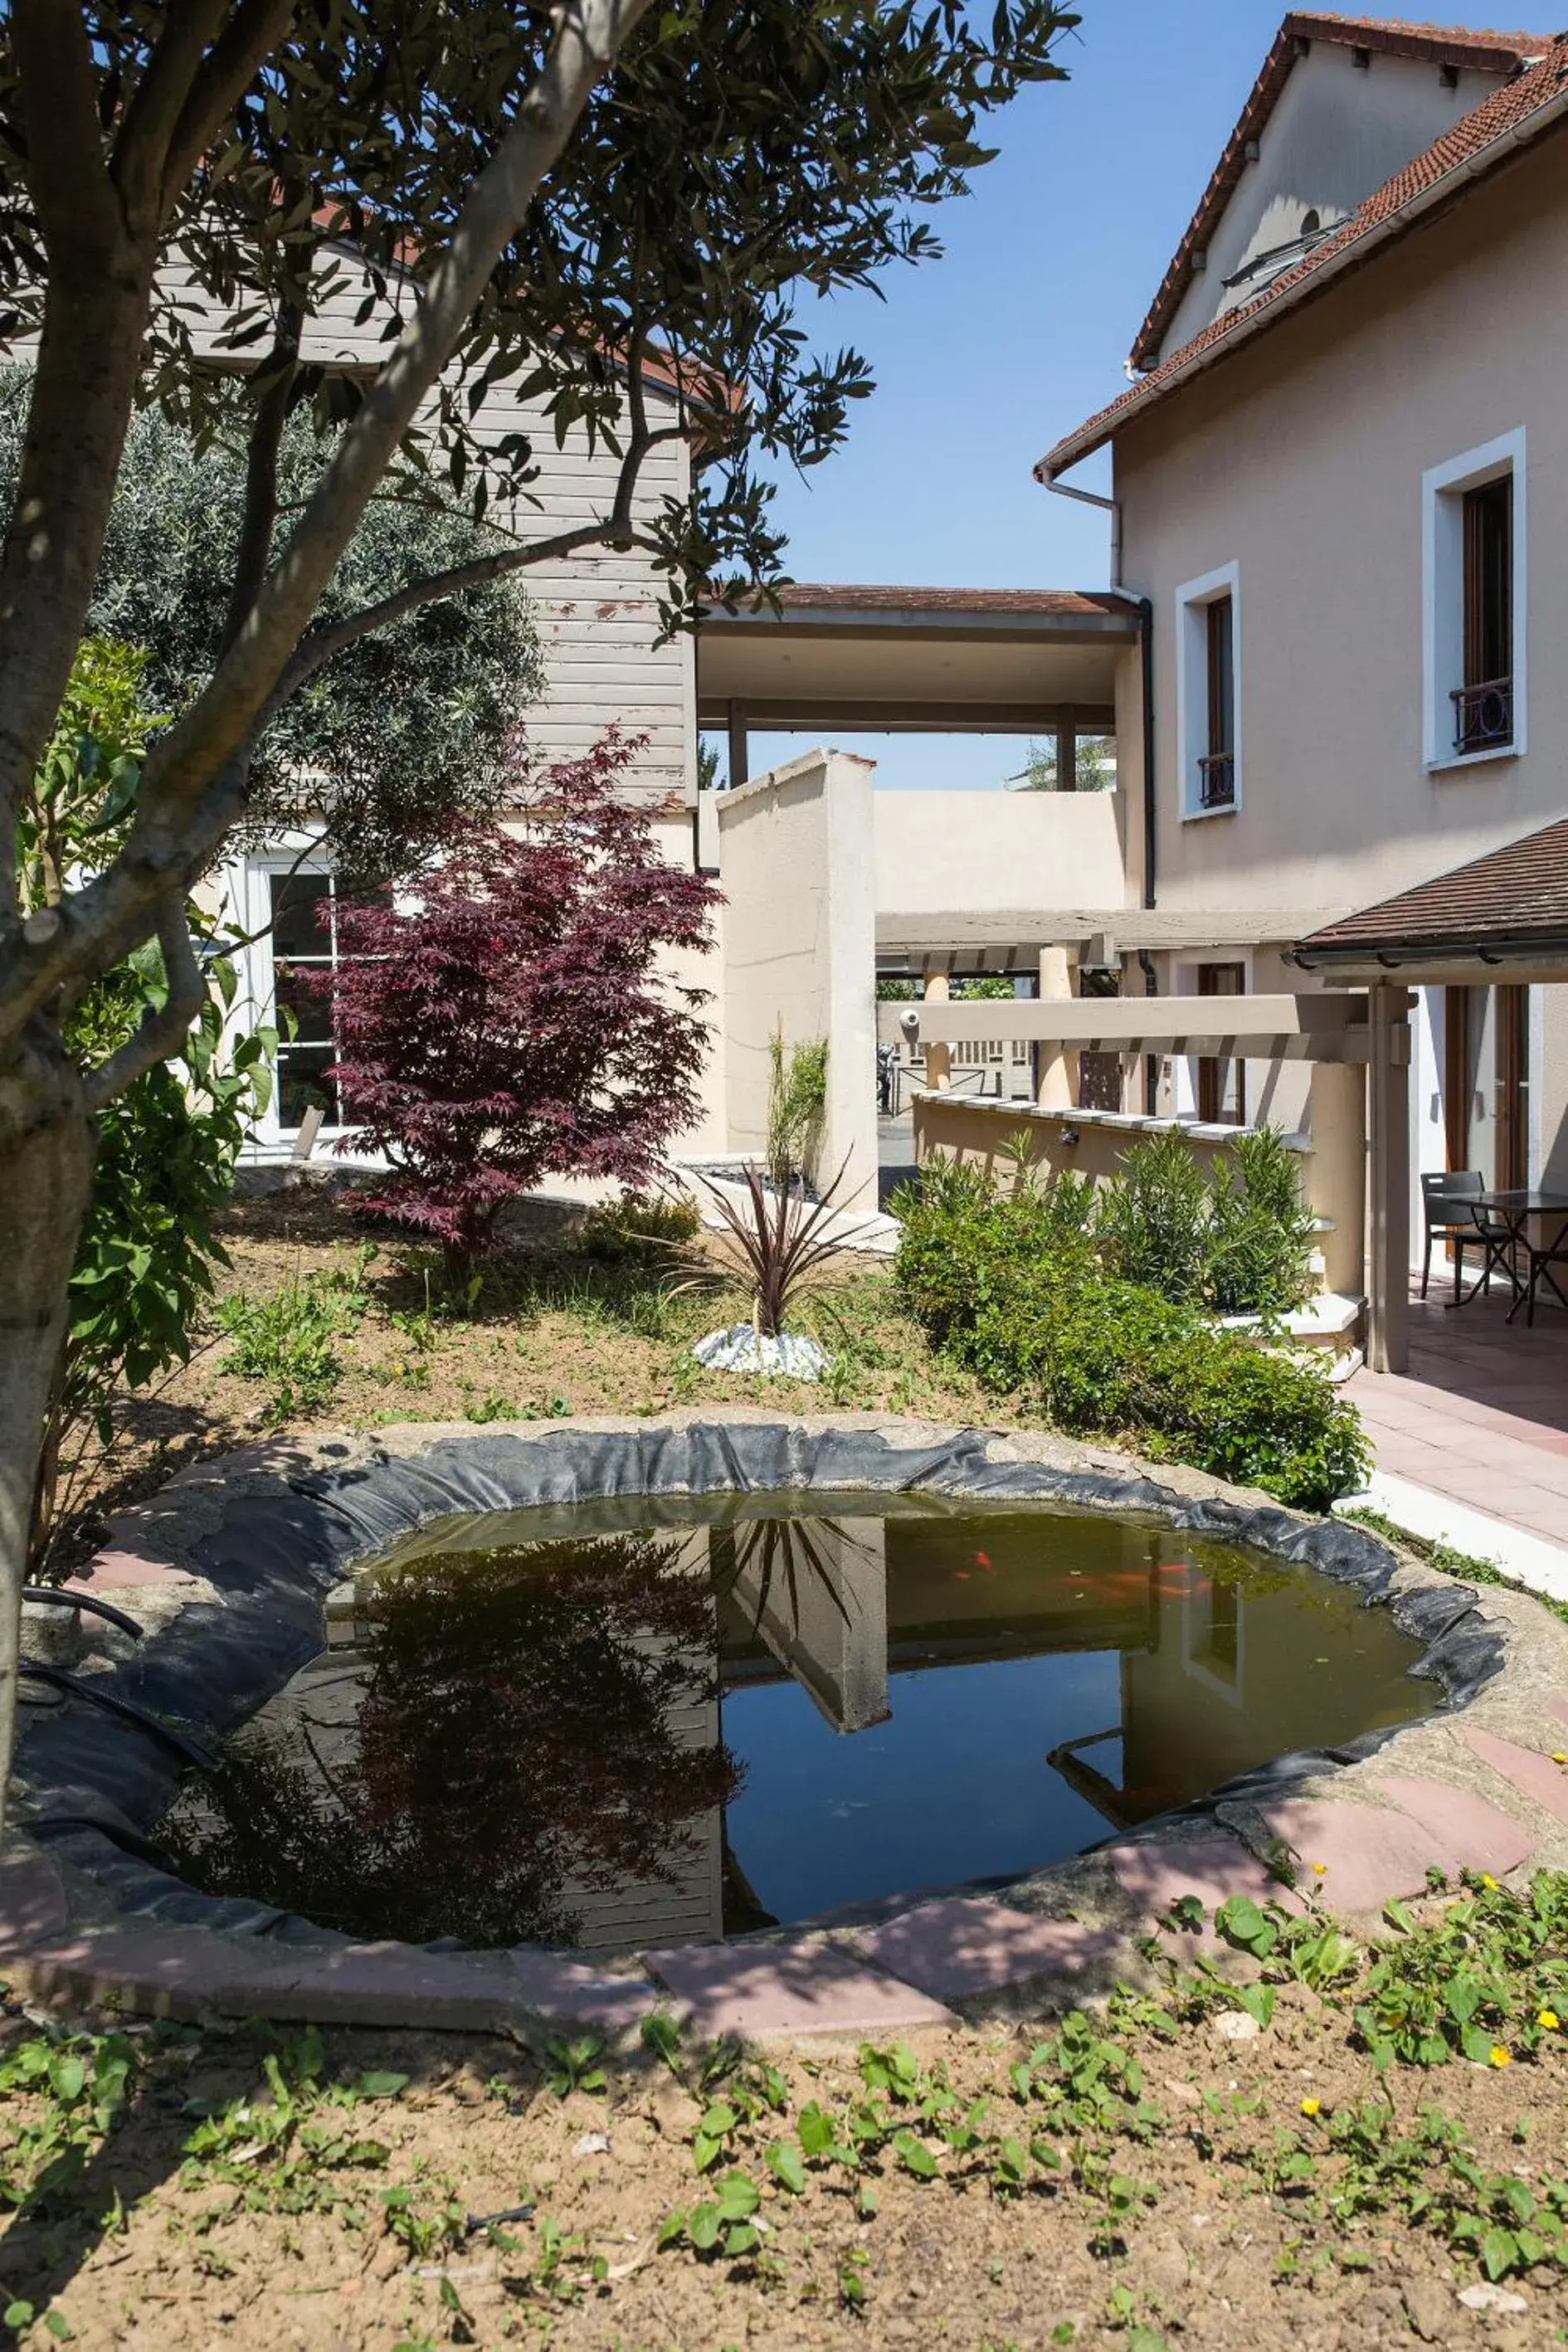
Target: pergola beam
1315, 1028
793, 715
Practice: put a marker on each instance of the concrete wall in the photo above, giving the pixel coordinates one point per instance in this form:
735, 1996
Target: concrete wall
974, 852
800, 950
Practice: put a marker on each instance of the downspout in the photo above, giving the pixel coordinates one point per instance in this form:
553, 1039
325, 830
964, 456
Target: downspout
1112, 507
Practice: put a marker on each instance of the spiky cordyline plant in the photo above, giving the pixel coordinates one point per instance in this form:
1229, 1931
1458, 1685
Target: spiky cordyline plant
777, 1238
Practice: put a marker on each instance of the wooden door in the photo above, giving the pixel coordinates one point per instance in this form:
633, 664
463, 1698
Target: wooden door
1458, 1076
1221, 1085
1511, 1015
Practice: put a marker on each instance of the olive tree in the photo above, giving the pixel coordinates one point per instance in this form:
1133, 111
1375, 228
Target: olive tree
571, 198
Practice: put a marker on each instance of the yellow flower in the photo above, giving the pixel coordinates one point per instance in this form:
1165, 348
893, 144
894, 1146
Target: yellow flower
1501, 2055
1559, 1756
1548, 2018
1318, 1868
1310, 2106
1489, 1882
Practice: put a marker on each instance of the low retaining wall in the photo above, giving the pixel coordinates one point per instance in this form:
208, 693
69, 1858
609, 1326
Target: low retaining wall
230, 1568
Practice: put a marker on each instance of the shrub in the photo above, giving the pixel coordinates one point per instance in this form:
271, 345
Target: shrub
1261, 1235
1012, 1286
639, 1225
1152, 1221
1238, 1239
519, 1021
797, 1107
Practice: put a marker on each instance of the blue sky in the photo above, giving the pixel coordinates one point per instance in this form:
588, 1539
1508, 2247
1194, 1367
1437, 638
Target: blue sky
984, 359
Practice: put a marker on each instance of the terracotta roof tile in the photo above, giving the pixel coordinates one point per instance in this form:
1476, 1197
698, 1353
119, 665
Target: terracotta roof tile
806, 596
1483, 52
1513, 895
1497, 124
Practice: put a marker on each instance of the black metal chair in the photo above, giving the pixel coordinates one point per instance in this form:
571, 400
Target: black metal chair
1540, 1261
1446, 1199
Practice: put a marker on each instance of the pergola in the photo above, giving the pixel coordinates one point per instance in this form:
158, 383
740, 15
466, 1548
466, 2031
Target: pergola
885, 660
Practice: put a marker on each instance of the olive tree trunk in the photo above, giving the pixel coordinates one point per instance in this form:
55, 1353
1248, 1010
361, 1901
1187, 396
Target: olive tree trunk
46, 1147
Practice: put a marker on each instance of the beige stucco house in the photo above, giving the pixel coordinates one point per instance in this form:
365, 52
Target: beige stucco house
1340, 481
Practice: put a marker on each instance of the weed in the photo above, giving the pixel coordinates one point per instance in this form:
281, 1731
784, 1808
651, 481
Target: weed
289, 1338
720, 2225
575, 2065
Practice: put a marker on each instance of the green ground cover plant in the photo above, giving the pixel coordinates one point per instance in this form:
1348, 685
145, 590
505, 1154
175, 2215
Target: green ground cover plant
1015, 1286
289, 1337
795, 2193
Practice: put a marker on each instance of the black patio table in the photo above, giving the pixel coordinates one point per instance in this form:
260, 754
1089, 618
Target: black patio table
1503, 1220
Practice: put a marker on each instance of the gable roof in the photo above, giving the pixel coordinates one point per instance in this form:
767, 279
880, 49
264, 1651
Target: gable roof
1481, 52
1489, 135
1514, 897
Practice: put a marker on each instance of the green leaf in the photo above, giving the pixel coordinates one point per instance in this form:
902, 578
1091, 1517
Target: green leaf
703, 2228
1499, 2252
58, 2326
816, 2132
18, 2315
786, 2165
382, 2085
1258, 2000
1462, 1997
914, 2156
739, 2197
67, 2076
661, 2034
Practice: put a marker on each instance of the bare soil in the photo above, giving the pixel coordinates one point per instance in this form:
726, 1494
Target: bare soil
152, 2249
553, 1331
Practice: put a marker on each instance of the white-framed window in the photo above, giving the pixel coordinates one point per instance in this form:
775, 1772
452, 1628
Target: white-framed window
1208, 693
285, 903
1473, 606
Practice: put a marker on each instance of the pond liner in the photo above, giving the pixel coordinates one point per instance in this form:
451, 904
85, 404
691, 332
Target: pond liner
94, 1786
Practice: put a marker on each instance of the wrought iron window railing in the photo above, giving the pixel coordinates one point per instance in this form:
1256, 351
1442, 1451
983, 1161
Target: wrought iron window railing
1216, 780
1483, 715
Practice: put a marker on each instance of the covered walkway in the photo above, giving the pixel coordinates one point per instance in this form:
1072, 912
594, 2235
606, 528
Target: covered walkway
1479, 1421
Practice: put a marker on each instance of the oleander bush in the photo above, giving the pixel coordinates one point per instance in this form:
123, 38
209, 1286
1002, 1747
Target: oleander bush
1013, 1286
1236, 1238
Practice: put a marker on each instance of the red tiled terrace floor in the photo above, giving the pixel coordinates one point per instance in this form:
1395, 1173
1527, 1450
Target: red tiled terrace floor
1482, 1414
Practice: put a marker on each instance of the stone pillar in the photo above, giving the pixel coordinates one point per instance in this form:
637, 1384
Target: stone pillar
939, 1057
1336, 1172
1390, 1093
1056, 1083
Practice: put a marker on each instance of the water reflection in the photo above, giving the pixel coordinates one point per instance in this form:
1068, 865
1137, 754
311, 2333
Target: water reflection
750, 1714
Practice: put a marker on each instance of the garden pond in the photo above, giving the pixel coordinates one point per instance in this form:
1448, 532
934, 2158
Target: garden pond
651, 1720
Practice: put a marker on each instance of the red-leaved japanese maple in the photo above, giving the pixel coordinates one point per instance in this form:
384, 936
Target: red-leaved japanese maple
517, 1019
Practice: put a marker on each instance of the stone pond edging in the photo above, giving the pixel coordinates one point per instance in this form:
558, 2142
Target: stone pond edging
228, 1569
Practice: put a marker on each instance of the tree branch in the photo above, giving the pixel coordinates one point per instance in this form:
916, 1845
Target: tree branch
324, 642
159, 1032
142, 144
588, 34
260, 516
255, 28
57, 87
185, 781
